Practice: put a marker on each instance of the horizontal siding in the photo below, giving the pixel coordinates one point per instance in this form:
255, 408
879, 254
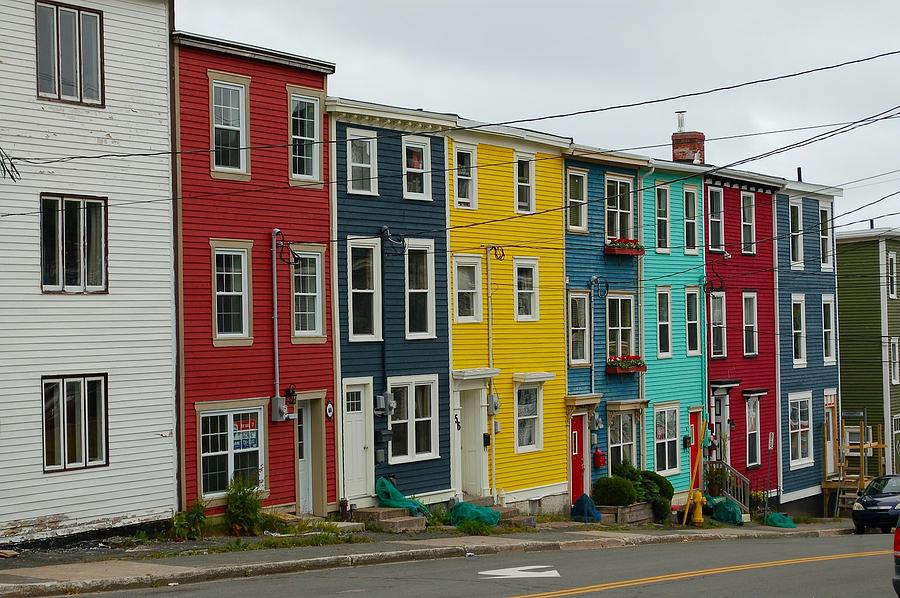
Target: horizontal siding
128, 333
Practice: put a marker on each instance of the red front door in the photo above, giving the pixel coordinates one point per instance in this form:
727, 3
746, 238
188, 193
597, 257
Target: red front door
696, 439
576, 447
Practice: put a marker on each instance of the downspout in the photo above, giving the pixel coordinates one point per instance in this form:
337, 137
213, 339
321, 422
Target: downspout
277, 369
490, 340
639, 308
778, 447
593, 286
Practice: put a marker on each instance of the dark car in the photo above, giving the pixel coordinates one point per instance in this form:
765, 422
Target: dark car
878, 505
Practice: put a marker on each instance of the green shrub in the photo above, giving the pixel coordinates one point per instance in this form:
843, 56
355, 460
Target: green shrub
191, 523
662, 509
666, 490
243, 507
628, 471
471, 527
438, 516
273, 522
614, 491
647, 490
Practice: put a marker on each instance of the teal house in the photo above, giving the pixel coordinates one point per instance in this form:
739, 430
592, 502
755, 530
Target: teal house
673, 308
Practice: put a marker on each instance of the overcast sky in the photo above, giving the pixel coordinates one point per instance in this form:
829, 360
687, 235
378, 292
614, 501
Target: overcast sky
494, 60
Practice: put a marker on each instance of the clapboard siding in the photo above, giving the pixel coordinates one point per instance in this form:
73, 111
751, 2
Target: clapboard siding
363, 215
129, 332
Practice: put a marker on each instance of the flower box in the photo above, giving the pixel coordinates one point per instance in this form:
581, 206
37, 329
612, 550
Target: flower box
639, 512
615, 369
613, 250
625, 364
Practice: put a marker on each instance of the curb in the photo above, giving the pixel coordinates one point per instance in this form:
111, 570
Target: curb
55, 588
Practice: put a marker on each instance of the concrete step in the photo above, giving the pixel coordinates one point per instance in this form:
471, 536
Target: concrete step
520, 520
378, 514
479, 501
398, 525
507, 512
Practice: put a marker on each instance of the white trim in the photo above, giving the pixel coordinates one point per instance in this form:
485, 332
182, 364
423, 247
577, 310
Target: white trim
244, 109
720, 219
751, 223
828, 299
523, 157
526, 262
667, 248
744, 296
891, 275
670, 406
747, 401
370, 137
261, 446
802, 462
895, 360
316, 140
885, 346
533, 377
472, 150
667, 291
375, 246
468, 260
632, 232
411, 382
584, 296
582, 205
618, 296
539, 418
244, 294
537, 492
423, 143
474, 373
798, 298
319, 296
796, 264
827, 207
800, 494
368, 383
426, 245
690, 189
695, 291
724, 326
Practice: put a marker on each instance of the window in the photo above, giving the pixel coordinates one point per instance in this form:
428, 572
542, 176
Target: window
798, 329
468, 288
577, 201
825, 253
662, 218
666, 439
75, 434
664, 322
466, 184
618, 209
753, 430
229, 126
800, 405
420, 318
716, 224
364, 256
414, 422
308, 293
529, 399
796, 242
305, 138
73, 244
692, 320
416, 168
751, 334
527, 308
232, 289
69, 53
621, 439
892, 275
690, 221
362, 162
524, 184
231, 445
895, 360
619, 326
718, 332
748, 222
579, 329
828, 345
851, 438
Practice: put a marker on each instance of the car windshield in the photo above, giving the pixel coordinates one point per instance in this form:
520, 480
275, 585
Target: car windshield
884, 486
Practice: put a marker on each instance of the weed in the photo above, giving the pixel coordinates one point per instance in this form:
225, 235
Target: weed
470, 527
438, 516
548, 517
243, 507
190, 524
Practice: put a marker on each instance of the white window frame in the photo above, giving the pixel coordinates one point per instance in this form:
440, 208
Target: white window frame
615, 420
60, 244
577, 206
244, 293
698, 337
375, 246
319, 295
426, 245
664, 322
243, 107
411, 382
748, 323
798, 299
826, 258
469, 261
529, 158
662, 218
895, 360
585, 332
720, 220
618, 297
539, 418
62, 438
753, 400
315, 141
370, 137
669, 470
795, 236
891, 274
619, 181
261, 445
800, 461
829, 331
79, 59
748, 227
472, 202
423, 143
714, 296
691, 192
526, 262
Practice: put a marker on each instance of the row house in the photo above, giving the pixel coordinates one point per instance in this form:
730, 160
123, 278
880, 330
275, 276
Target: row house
255, 330
87, 378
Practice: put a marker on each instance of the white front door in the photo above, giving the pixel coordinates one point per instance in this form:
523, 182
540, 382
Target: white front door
474, 454
358, 453
304, 458
829, 442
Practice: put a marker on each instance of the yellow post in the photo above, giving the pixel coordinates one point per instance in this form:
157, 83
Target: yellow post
695, 467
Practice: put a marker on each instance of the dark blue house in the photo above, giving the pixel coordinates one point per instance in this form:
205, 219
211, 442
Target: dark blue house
603, 309
390, 200
809, 387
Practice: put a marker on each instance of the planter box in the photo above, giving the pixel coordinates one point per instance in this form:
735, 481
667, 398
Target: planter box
614, 369
611, 250
640, 512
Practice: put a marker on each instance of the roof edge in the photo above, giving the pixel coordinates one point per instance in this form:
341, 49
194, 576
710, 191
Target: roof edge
204, 42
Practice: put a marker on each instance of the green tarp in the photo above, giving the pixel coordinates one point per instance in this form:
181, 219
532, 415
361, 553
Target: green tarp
389, 496
780, 520
464, 511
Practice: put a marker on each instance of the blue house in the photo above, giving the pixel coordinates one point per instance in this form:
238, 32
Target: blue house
808, 387
390, 200
602, 285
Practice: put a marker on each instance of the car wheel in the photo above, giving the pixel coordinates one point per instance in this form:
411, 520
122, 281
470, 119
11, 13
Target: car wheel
886, 529
860, 528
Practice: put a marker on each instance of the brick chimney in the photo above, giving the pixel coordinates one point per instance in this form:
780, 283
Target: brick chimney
687, 146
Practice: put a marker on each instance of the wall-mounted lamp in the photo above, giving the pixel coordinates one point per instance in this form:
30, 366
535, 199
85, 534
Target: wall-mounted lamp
290, 395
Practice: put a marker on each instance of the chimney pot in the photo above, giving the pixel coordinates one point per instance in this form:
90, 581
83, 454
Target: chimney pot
799, 174
680, 114
688, 146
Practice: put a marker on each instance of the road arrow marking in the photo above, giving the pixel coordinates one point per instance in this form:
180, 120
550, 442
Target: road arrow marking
519, 572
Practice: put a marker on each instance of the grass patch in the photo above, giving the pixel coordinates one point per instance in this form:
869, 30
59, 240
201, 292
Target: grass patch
317, 539
804, 519
474, 528
549, 517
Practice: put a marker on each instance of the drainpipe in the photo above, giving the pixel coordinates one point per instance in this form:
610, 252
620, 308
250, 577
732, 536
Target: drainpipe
779, 449
275, 233
639, 300
490, 340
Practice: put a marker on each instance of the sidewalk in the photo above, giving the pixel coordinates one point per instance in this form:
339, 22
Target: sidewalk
80, 573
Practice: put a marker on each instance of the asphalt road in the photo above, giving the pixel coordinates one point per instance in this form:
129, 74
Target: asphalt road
798, 567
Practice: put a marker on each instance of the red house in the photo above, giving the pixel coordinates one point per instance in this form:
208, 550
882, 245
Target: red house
256, 361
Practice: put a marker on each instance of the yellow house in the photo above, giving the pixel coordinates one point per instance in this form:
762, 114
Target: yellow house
508, 362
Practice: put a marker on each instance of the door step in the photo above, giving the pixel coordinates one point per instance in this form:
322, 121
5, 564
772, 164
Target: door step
389, 519
369, 514
479, 501
512, 516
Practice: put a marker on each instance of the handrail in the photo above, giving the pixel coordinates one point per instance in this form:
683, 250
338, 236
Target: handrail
736, 486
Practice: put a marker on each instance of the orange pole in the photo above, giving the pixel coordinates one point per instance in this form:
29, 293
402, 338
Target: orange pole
695, 469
